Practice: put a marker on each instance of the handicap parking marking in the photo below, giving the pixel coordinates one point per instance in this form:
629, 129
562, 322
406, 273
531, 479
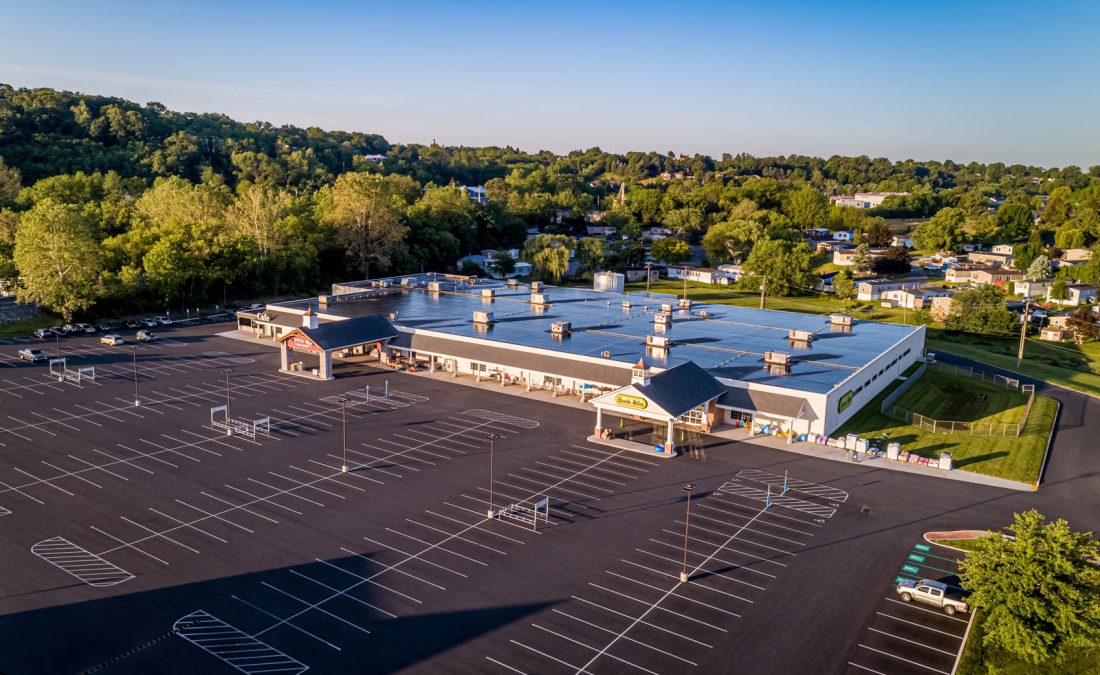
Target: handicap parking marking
233, 646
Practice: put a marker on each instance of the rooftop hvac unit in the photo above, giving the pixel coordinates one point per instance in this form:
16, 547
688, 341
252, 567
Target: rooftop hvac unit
685, 303
561, 327
800, 336
840, 320
605, 355
385, 283
626, 304
536, 286
662, 319
777, 362
512, 283
666, 307
434, 286
487, 293
538, 299
323, 300
661, 341
483, 317
407, 281
702, 313
393, 316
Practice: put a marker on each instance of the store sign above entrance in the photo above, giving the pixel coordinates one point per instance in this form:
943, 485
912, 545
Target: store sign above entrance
628, 401
302, 344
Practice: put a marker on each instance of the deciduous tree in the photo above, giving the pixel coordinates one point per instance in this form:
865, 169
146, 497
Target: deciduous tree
58, 258
670, 250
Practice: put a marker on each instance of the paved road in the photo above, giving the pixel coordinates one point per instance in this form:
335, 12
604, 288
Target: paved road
124, 522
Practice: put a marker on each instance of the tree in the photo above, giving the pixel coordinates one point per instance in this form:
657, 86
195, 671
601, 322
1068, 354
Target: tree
1039, 268
1059, 290
10, 183
590, 253
844, 286
783, 265
981, 310
941, 232
1014, 221
875, 233
365, 211
1082, 326
1058, 207
505, 263
731, 239
685, 222
894, 261
862, 263
806, 208
670, 250
58, 258
549, 255
1026, 253
1036, 587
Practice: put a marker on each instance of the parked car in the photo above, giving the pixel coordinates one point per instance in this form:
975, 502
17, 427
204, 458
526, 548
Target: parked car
933, 593
134, 323
43, 333
146, 336
111, 339
60, 330
104, 328
70, 329
32, 355
85, 328
150, 323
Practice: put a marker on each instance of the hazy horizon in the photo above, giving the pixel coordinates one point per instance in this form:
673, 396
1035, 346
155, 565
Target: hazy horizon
986, 82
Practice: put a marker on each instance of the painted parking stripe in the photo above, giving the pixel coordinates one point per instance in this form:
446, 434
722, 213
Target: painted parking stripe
80, 563
899, 658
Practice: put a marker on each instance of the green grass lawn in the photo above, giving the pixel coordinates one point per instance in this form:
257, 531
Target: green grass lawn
958, 397
1015, 458
27, 326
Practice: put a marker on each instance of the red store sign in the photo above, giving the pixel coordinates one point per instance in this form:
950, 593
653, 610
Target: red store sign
302, 344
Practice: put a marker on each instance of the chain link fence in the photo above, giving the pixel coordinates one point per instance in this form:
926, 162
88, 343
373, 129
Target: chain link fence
959, 426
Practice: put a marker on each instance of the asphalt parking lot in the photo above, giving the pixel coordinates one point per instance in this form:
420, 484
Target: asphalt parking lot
145, 539
911, 637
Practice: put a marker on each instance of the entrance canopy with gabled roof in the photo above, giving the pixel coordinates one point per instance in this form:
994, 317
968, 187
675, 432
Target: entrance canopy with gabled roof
664, 397
333, 336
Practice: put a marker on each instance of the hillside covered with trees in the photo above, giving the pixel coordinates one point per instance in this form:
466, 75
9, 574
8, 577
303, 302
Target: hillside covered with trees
106, 203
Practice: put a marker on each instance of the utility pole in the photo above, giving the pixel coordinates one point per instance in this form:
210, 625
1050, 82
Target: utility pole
137, 398
684, 272
1023, 330
647, 266
492, 438
228, 402
763, 287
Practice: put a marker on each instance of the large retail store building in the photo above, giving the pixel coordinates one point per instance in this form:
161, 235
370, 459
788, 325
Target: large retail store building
638, 356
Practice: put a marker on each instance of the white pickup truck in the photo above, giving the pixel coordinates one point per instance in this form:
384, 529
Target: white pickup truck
933, 593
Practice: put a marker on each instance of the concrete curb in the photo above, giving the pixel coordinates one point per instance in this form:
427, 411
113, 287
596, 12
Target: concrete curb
965, 640
1050, 443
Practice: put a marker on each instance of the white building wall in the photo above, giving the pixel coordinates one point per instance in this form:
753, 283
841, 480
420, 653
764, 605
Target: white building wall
871, 382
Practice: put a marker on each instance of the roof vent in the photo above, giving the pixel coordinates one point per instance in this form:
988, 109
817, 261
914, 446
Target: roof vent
702, 313
561, 327
483, 317
666, 307
487, 293
685, 303
626, 304
663, 320
777, 362
406, 281
800, 336
605, 355
434, 286
661, 341
536, 286
538, 299
840, 320
512, 283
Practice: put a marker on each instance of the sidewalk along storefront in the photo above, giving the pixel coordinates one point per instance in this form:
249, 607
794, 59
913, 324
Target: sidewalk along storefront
652, 407
765, 412
352, 337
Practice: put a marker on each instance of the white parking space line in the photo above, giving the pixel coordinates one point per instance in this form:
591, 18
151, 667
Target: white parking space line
735, 550
340, 592
370, 580
273, 616
62, 472
682, 597
630, 639
702, 555
918, 625
899, 658
912, 642
233, 646
642, 622
578, 642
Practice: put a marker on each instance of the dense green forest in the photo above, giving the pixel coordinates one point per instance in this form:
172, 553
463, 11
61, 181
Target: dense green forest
109, 205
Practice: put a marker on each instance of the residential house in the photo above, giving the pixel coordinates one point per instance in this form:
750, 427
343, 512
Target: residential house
601, 230
846, 256
872, 289
731, 270
1052, 334
656, 233
1003, 249
911, 298
1000, 259
940, 306
1059, 320
960, 272
865, 200
994, 275
594, 216
905, 240
1076, 294
843, 235
825, 282
703, 275
476, 193
1075, 256
1031, 288
819, 233
487, 261
639, 272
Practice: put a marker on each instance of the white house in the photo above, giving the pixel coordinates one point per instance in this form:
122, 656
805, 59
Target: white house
1031, 289
656, 233
1075, 256
866, 200
843, 235
731, 270
912, 298
1003, 249
703, 275
902, 240
1076, 294
847, 256
601, 230
873, 289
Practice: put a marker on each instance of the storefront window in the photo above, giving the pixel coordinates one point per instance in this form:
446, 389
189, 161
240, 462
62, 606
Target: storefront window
696, 416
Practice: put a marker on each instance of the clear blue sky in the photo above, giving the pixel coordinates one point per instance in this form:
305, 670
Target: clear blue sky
982, 80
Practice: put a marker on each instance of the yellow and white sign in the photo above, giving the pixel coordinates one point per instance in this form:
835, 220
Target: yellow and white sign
628, 401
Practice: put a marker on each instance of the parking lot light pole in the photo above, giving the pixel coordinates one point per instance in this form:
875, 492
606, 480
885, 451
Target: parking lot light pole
687, 517
57, 342
137, 398
344, 434
228, 401
492, 438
